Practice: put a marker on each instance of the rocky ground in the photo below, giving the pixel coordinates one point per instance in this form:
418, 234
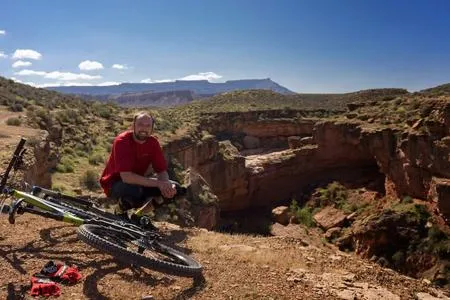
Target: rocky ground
300, 266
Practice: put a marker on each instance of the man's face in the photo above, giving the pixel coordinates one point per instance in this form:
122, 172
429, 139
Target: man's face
143, 127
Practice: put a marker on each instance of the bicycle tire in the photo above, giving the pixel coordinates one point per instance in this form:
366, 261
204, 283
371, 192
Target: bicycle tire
95, 236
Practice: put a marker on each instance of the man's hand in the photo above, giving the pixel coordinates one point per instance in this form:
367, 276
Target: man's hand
167, 188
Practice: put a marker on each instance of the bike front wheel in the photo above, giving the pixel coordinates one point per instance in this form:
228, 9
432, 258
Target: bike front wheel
126, 248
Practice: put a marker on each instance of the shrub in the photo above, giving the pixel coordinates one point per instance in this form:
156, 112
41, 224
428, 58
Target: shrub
102, 110
33, 141
16, 107
302, 215
66, 165
333, 193
305, 216
96, 159
68, 151
83, 149
90, 180
14, 121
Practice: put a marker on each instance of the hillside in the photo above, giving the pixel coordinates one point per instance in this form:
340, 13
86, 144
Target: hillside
439, 90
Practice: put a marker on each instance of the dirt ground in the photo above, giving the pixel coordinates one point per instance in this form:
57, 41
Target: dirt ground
235, 267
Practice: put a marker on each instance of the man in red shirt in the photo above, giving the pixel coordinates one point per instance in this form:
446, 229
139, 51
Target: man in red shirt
133, 155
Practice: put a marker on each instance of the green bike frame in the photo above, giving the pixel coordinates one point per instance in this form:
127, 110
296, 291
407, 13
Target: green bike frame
47, 206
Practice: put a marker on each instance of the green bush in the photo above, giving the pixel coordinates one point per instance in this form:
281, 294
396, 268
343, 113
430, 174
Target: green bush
333, 193
302, 215
66, 165
305, 216
96, 159
69, 151
14, 121
416, 213
17, 107
90, 180
102, 110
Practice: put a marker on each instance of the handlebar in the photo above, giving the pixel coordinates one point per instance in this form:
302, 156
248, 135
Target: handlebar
13, 163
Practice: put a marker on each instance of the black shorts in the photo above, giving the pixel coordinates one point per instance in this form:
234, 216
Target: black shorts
132, 195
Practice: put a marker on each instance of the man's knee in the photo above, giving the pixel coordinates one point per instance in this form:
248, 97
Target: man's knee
128, 195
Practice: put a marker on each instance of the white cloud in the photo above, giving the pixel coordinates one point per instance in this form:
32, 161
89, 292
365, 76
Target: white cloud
89, 65
2, 32
21, 63
44, 85
76, 84
202, 76
28, 83
107, 83
119, 67
30, 73
66, 76
3, 55
149, 80
26, 54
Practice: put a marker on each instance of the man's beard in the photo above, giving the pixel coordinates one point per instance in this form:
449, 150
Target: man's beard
141, 135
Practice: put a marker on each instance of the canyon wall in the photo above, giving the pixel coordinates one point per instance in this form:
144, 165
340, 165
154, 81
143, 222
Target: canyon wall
415, 163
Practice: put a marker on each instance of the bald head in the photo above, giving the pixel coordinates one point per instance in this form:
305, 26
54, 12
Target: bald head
143, 125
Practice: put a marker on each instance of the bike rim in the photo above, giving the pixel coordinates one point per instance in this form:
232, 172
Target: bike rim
151, 249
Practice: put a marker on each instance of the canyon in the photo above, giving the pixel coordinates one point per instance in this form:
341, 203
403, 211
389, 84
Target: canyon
264, 158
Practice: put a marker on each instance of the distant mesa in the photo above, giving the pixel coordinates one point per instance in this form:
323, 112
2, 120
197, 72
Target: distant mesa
168, 93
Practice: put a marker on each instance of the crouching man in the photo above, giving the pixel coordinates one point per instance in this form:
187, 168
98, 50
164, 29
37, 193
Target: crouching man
134, 153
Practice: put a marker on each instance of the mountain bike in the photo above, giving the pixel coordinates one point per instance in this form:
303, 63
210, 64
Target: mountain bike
128, 242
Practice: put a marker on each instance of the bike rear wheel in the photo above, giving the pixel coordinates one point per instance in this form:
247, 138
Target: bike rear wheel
126, 248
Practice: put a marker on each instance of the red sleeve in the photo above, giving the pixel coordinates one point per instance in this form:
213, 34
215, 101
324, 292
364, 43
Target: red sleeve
158, 161
123, 156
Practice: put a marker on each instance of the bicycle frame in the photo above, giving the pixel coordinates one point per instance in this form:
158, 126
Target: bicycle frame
49, 209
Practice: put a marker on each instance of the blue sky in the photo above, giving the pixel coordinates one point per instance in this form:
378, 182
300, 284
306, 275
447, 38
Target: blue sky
307, 46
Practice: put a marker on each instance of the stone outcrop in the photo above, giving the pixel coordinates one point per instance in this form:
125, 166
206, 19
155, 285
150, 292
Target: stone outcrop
41, 157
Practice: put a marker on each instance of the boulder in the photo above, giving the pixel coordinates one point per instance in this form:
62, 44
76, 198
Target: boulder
330, 217
281, 215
